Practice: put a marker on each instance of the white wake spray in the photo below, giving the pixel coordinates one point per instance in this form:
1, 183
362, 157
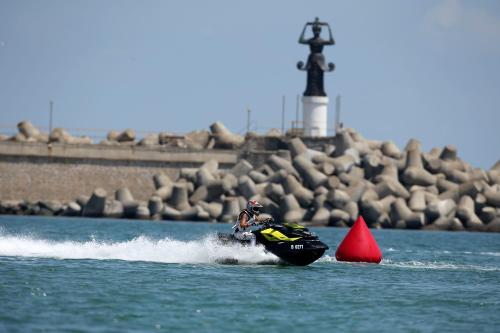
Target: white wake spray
142, 248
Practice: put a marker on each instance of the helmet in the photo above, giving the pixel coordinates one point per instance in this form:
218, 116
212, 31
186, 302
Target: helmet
254, 207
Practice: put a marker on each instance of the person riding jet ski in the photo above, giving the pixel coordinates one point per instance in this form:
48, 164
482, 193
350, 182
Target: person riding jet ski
247, 218
292, 243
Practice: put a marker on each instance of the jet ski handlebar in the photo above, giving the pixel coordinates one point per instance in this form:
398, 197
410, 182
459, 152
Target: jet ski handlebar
267, 221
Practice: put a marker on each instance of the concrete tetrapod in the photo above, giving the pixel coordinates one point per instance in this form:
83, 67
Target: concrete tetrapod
414, 158
278, 163
303, 195
338, 198
204, 177
440, 208
404, 217
389, 171
151, 139
355, 175
142, 212
212, 165
95, 205
28, 130
455, 175
278, 177
73, 209
318, 214
189, 214
470, 188
215, 190
290, 209
200, 194
326, 168
129, 204
274, 191
113, 209
163, 186
164, 192
445, 223
418, 176
492, 198
202, 215
187, 184
344, 141
60, 135
449, 153
155, 205
353, 210
229, 182
333, 183
246, 187
312, 177
123, 195
265, 169
343, 163
54, 206
170, 213
82, 200
179, 199
417, 201
214, 209
225, 138
466, 213
493, 226
356, 189
270, 207
321, 217
373, 210
391, 187
257, 177
369, 195
296, 147
339, 218
230, 210
372, 164
390, 149
488, 214
243, 167
189, 174
127, 135
445, 185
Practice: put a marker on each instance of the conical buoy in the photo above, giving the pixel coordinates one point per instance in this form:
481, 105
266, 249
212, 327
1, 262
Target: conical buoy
359, 245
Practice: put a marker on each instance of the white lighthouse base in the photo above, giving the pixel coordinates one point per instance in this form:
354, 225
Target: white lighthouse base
315, 112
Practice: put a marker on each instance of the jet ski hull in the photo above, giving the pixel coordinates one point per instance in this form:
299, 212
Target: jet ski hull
293, 244
298, 253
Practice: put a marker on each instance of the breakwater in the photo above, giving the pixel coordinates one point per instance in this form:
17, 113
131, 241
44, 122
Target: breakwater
209, 176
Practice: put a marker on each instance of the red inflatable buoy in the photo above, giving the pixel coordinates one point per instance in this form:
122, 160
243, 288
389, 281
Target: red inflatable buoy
359, 245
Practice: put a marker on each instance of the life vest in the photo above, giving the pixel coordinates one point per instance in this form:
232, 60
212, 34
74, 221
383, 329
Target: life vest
251, 221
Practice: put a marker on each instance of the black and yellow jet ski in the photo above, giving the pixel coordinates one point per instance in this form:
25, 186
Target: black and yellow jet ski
292, 243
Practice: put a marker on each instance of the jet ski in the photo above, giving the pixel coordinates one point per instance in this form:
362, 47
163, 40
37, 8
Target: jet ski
292, 243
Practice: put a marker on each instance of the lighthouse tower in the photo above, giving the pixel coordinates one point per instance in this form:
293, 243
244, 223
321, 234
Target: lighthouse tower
314, 99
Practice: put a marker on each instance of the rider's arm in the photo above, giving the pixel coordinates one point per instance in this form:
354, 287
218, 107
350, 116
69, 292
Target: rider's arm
244, 221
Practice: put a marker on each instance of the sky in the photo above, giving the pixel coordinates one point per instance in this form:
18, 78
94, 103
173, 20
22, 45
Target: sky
404, 69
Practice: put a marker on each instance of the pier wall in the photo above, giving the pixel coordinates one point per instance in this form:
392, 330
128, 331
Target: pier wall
35, 171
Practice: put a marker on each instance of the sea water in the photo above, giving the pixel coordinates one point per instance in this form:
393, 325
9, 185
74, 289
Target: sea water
96, 275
